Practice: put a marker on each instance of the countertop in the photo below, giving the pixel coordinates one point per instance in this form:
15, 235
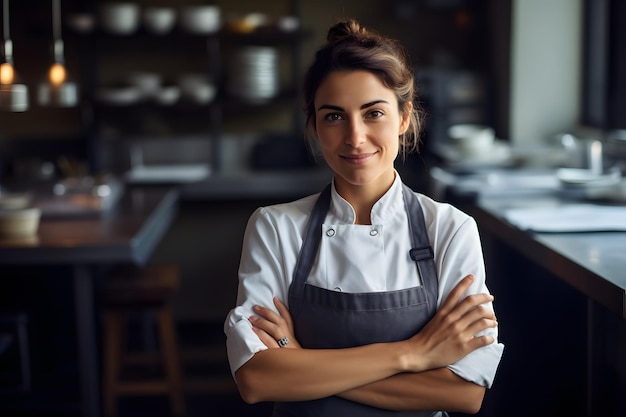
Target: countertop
593, 262
127, 232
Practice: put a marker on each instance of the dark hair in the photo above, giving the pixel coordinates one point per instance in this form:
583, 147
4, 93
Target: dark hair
351, 46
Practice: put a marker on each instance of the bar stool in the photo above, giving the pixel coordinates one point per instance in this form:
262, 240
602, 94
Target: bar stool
128, 290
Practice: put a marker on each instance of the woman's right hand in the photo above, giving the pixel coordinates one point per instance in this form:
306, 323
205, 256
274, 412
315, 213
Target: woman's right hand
451, 333
270, 326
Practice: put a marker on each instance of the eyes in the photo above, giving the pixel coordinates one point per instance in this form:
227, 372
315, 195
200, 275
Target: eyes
371, 114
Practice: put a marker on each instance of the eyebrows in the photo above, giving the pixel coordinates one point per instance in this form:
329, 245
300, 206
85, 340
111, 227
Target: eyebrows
363, 106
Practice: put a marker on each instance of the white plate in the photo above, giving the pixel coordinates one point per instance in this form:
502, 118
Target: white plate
575, 177
169, 173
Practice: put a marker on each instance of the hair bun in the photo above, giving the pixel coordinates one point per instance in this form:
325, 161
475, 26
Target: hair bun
344, 29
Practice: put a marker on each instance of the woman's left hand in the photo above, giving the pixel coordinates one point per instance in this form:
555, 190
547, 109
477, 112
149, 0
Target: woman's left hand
271, 327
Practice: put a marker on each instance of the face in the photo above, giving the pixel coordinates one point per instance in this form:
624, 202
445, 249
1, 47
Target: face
358, 125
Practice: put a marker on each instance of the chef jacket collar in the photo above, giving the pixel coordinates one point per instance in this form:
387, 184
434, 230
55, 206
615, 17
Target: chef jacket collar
385, 207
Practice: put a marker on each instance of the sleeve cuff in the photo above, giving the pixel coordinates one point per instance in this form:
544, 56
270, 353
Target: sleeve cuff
480, 366
241, 343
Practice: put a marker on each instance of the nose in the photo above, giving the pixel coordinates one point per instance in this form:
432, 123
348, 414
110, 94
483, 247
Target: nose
355, 133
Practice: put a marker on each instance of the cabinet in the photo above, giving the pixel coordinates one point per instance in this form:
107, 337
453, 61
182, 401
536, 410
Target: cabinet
127, 124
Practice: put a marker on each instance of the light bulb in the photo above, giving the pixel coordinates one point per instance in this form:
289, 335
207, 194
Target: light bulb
7, 74
57, 74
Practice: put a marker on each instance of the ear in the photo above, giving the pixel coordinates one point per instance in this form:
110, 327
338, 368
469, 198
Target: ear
405, 118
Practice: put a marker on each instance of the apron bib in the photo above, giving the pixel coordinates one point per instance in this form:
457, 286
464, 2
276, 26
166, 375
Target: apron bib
332, 319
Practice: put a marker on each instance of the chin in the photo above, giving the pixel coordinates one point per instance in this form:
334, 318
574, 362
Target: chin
357, 180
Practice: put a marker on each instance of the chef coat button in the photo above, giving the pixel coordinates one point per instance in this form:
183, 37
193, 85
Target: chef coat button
337, 289
330, 232
374, 232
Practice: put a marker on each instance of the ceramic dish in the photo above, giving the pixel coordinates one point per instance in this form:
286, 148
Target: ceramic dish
19, 223
120, 18
200, 19
576, 177
167, 95
159, 20
120, 96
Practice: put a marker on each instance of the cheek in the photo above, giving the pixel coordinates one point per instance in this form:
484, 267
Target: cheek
391, 142
389, 136
328, 137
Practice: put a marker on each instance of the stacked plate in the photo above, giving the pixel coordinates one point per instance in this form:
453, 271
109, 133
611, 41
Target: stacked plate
253, 73
585, 183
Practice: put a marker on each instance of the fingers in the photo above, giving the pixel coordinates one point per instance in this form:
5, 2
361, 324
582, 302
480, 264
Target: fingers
484, 315
479, 341
268, 324
452, 333
276, 325
266, 313
479, 326
477, 316
267, 320
479, 312
474, 301
267, 340
283, 311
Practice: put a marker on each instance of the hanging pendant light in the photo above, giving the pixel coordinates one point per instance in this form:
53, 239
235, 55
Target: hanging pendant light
57, 90
13, 95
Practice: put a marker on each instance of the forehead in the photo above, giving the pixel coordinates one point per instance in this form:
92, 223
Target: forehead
345, 88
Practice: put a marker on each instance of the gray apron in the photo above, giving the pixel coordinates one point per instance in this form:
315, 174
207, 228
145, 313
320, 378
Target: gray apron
332, 319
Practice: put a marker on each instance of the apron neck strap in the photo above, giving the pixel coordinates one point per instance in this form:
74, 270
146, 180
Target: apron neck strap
311, 242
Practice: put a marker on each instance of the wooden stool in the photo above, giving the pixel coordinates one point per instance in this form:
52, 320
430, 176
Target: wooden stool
146, 289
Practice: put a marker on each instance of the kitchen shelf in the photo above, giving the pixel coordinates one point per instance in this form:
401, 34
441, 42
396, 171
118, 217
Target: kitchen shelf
265, 37
109, 59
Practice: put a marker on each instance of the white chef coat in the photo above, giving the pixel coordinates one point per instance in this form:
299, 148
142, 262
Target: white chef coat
356, 258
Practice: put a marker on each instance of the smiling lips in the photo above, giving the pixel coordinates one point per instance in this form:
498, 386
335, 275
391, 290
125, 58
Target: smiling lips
358, 159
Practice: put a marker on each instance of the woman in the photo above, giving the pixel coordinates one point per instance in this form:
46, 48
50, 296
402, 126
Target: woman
367, 299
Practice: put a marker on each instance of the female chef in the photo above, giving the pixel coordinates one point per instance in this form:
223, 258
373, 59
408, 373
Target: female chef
367, 299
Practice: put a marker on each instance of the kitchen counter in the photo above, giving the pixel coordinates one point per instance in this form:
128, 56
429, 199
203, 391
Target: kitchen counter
560, 296
127, 232
591, 262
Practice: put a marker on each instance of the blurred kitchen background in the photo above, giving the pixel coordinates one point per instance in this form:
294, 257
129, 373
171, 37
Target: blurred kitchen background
203, 97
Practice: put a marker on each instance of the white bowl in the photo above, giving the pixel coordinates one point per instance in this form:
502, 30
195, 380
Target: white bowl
147, 82
203, 94
159, 20
120, 96
19, 223
197, 88
120, 18
472, 139
167, 95
200, 93
200, 19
